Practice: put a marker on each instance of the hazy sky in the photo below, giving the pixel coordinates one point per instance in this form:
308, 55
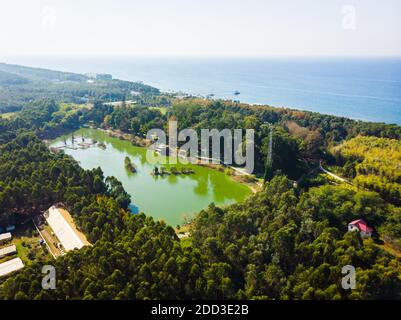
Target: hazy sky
201, 27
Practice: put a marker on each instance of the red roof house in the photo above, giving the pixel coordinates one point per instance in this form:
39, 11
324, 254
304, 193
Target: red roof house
361, 226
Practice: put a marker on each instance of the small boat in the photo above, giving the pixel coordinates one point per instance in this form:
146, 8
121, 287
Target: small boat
236, 92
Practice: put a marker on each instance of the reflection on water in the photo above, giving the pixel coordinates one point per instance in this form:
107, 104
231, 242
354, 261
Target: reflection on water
169, 198
201, 187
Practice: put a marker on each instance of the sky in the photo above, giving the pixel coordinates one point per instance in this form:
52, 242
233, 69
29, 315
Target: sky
201, 27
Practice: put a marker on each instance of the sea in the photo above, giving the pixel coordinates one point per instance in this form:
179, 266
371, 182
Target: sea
367, 89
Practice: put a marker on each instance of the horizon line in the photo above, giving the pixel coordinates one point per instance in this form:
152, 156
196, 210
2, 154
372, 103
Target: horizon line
184, 56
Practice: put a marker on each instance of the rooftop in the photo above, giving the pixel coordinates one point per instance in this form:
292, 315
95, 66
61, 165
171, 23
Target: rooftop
10, 266
61, 228
5, 236
361, 225
8, 250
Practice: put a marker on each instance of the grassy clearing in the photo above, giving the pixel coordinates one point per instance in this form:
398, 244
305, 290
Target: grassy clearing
51, 240
73, 106
391, 249
163, 110
27, 241
8, 115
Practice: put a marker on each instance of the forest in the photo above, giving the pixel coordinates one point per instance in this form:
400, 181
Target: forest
19, 86
287, 241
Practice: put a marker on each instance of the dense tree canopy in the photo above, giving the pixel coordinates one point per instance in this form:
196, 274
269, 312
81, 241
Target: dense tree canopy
287, 241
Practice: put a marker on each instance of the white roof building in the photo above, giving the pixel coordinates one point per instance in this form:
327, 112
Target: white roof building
67, 236
8, 250
10, 266
5, 237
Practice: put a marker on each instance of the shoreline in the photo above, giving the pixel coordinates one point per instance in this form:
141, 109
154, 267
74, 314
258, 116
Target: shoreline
135, 140
250, 186
248, 180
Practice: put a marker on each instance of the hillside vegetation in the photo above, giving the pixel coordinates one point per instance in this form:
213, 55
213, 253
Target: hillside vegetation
19, 86
375, 164
287, 241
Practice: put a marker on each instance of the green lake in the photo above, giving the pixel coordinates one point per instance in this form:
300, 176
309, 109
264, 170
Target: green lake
170, 198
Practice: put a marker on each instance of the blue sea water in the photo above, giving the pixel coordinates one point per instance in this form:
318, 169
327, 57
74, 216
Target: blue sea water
360, 88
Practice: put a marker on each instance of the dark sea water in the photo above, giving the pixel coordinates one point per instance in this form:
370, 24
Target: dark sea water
360, 88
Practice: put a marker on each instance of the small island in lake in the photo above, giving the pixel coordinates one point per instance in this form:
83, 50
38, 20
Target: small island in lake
173, 170
129, 165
